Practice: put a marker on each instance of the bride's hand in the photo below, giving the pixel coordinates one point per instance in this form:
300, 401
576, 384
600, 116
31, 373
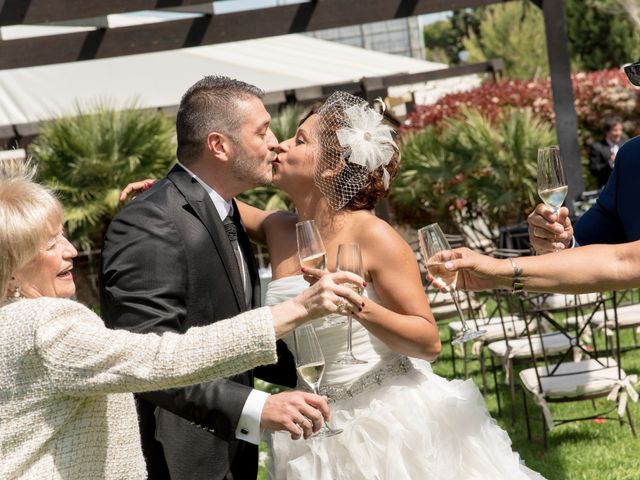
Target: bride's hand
330, 293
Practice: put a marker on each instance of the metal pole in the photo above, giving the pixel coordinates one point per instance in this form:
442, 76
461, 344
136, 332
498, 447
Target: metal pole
563, 100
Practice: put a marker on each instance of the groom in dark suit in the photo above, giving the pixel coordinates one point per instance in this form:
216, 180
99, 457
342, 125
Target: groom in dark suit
178, 257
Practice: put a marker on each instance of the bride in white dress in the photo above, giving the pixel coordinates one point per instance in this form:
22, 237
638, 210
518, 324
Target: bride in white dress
399, 422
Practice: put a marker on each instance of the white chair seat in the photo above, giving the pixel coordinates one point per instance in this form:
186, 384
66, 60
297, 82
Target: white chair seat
514, 326
554, 342
564, 301
628, 316
573, 379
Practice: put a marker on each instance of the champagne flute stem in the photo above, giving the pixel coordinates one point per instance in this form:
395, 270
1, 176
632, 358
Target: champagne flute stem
326, 429
349, 328
555, 237
456, 302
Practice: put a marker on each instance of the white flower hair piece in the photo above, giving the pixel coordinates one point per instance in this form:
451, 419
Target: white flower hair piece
369, 140
354, 142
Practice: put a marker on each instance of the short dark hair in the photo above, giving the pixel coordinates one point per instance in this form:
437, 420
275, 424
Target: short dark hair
609, 122
211, 104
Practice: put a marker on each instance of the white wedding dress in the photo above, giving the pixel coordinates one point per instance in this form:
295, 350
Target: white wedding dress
399, 421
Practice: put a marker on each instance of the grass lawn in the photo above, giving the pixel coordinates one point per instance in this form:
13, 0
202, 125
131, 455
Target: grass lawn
577, 451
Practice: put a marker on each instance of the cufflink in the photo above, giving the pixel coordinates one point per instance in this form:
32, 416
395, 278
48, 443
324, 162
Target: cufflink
244, 431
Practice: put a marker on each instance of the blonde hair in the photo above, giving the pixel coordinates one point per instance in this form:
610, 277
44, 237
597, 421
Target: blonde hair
28, 211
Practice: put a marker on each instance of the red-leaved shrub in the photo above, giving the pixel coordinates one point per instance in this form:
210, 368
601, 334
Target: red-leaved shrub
597, 95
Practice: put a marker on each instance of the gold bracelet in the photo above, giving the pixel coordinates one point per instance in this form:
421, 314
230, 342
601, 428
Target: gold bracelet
516, 285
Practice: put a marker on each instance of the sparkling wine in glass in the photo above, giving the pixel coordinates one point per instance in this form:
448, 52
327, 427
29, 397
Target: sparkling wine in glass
432, 242
310, 366
350, 260
552, 186
312, 254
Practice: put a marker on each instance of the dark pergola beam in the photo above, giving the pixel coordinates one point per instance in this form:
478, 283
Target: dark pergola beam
42, 11
563, 99
13, 12
207, 30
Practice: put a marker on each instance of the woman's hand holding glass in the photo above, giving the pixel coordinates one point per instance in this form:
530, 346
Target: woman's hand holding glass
435, 249
331, 293
475, 271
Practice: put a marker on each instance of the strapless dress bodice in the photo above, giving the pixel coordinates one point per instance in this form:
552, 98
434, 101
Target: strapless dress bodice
333, 340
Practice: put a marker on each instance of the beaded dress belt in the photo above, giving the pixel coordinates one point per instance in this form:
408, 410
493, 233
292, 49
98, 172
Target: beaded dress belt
399, 366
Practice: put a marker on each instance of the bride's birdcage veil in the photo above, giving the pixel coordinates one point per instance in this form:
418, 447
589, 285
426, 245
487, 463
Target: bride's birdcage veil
353, 144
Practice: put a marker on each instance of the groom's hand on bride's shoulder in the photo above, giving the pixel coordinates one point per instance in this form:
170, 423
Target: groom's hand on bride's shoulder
299, 413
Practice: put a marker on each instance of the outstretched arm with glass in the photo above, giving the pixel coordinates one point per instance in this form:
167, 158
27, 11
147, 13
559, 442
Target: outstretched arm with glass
580, 270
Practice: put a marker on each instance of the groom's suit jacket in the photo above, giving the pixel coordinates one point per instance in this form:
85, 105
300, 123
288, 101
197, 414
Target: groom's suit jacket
168, 265
615, 218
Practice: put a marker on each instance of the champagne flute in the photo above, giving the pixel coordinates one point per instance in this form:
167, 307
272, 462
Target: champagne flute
432, 242
310, 366
350, 260
312, 254
552, 186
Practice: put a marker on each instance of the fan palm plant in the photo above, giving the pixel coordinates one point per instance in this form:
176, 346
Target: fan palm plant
473, 169
89, 157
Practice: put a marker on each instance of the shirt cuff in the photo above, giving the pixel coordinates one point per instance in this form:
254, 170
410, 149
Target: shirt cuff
249, 425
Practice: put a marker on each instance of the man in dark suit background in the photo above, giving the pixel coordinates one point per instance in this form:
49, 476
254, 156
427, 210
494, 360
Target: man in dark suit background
602, 153
178, 257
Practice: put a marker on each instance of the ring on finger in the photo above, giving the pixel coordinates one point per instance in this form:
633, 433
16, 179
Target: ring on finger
341, 304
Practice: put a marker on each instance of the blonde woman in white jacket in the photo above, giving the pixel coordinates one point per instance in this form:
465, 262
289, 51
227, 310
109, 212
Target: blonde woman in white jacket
66, 411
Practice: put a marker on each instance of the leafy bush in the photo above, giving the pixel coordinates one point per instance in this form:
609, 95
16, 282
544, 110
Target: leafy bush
90, 157
473, 167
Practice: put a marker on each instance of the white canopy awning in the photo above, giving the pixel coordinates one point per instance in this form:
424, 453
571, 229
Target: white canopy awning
31, 95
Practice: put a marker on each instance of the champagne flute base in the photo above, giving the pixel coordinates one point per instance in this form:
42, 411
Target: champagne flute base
348, 359
468, 335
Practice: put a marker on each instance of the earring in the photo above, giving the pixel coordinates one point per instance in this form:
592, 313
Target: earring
16, 292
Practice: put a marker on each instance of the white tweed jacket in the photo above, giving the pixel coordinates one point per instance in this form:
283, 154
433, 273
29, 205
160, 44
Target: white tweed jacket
66, 411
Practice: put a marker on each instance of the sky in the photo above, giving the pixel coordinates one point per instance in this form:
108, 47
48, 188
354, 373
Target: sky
226, 6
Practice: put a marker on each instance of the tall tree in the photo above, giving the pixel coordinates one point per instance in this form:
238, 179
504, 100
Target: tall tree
628, 7
602, 33
443, 39
514, 32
